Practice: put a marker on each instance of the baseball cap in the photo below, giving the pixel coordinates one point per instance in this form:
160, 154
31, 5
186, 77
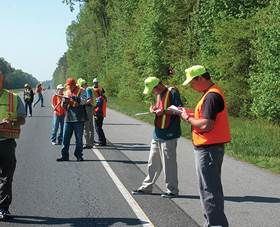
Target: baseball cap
192, 72
150, 83
60, 86
71, 81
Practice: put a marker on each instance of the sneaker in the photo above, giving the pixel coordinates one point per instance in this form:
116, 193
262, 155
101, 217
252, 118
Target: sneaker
5, 214
168, 195
87, 147
140, 192
62, 159
2, 215
101, 144
54, 143
29, 115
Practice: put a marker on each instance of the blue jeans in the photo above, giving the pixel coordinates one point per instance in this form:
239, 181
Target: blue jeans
69, 128
57, 120
40, 98
28, 105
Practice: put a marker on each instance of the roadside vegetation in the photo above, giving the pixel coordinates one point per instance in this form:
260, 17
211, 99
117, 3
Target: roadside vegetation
121, 42
253, 141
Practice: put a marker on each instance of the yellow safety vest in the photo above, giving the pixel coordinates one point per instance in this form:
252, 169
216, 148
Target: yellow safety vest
8, 109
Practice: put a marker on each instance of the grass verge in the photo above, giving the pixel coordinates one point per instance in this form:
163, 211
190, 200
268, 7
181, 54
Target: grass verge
253, 141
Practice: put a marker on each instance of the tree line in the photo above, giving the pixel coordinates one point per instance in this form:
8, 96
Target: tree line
15, 78
124, 41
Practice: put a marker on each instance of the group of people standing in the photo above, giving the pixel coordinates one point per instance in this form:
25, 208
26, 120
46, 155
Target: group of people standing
210, 131
74, 110
75, 106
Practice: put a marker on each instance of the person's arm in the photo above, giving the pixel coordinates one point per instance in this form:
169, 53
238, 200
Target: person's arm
213, 104
89, 96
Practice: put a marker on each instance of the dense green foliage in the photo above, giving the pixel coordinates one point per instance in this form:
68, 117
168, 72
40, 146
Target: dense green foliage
15, 78
123, 41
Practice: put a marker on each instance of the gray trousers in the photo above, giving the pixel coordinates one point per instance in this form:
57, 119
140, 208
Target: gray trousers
88, 128
162, 156
208, 162
7, 169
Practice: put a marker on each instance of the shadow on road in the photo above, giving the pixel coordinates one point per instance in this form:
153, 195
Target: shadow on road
74, 222
126, 147
117, 161
240, 199
119, 124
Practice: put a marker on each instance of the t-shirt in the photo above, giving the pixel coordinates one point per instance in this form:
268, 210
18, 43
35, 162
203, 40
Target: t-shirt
212, 105
56, 102
174, 130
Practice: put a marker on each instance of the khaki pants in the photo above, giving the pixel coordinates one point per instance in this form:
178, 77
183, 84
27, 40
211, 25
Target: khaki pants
162, 156
7, 169
89, 130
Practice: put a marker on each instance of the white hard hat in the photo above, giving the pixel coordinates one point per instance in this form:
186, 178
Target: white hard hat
60, 86
95, 80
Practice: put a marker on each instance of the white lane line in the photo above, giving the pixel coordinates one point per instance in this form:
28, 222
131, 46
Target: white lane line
130, 200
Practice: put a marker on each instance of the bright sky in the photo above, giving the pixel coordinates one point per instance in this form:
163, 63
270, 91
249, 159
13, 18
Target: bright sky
32, 36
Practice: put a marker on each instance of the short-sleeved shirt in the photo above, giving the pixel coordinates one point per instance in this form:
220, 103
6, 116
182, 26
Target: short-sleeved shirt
87, 94
212, 105
174, 130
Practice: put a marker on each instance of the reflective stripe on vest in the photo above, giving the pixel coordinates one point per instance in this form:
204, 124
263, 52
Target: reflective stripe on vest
8, 109
220, 132
162, 103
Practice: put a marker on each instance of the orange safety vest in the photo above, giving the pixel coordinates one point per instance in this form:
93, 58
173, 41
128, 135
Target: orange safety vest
163, 103
104, 105
8, 109
69, 94
220, 132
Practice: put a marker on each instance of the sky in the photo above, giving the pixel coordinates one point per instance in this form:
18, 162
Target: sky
33, 34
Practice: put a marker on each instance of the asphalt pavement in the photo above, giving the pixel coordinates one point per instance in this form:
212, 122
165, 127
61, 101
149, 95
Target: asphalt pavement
48, 193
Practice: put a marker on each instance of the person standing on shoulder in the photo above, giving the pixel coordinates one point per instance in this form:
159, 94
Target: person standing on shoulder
58, 115
74, 120
28, 97
99, 115
88, 129
39, 91
210, 131
164, 143
12, 116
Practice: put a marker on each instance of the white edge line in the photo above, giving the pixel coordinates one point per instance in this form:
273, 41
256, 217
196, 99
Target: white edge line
130, 200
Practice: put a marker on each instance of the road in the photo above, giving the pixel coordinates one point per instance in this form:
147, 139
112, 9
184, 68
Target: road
96, 192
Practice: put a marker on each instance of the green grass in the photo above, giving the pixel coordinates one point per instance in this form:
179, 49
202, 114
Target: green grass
253, 141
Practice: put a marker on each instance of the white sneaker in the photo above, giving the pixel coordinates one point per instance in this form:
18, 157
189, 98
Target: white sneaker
53, 143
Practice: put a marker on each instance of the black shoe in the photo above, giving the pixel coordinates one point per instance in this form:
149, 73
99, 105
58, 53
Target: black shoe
140, 192
168, 195
80, 159
62, 159
87, 147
